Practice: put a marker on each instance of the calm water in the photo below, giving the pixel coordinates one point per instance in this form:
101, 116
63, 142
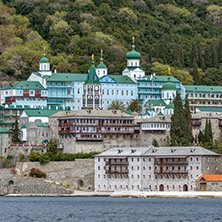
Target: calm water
108, 209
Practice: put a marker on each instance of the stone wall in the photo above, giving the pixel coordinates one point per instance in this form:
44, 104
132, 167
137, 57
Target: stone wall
78, 174
61, 177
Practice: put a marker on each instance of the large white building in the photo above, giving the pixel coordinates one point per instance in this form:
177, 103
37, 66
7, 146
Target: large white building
157, 168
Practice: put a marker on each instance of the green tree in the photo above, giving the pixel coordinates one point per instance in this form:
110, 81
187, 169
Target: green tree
135, 105
188, 119
53, 146
16, 136
178, 132
117, 105
155, 143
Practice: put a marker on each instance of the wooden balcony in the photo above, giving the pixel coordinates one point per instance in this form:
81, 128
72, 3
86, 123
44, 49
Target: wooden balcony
123, 163
170, 172
184, 162
117, 171
89, 139
196, 123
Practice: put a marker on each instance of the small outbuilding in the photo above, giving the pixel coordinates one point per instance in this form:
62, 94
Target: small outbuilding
209, 183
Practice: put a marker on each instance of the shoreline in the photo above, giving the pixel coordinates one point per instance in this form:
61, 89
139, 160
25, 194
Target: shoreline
129, 194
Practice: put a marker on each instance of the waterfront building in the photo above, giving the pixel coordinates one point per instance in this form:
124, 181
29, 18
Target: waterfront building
209, 183
155, 168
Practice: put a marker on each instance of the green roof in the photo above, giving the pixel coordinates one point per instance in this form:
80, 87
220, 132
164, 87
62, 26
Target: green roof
26, 85
157, 102
46, 125
101, 66
40, 112
133, 67
92, 77
65, 77
122, 79
129, 112
207, 89
159, 79
23, 126
44, 60
149, 109
210, 109
170, 106
160, 114
3, 130
133, 54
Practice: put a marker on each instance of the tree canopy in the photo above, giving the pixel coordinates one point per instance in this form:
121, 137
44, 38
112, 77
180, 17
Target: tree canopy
183, 34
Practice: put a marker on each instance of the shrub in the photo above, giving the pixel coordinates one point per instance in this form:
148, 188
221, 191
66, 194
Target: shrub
22, 157
37, 173
34, 156
10, 157
44, 158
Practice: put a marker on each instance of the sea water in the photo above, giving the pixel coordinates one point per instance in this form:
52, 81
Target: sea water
89, 209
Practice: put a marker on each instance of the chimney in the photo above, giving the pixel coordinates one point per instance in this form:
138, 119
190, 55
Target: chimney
55, 71
67, 113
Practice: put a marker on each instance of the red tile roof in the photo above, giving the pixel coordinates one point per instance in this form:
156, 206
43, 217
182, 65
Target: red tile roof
210, 177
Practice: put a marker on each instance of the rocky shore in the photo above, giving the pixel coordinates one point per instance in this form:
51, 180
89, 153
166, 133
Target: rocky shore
128, 194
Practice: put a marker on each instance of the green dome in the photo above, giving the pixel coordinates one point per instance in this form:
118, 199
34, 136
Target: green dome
23, 127
169, 86
133, 55
44, 60
101, 66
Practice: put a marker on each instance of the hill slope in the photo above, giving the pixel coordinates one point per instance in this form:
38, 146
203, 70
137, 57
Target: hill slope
185, 34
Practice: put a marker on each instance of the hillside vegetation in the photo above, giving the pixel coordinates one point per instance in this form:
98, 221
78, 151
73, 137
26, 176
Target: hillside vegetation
185, 34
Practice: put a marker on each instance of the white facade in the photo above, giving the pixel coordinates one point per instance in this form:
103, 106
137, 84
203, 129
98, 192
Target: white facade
156, 168
101, 72
134, 73
168, 96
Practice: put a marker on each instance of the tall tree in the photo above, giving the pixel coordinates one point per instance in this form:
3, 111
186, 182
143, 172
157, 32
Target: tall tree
16, 136
178, 131
188, 120
194, 72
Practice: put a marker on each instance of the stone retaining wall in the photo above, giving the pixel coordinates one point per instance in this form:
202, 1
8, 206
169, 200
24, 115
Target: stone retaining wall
61, 178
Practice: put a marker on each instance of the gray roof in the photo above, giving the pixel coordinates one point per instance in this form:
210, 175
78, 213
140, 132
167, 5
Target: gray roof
92, 114
157, 151
157, 119
206, 115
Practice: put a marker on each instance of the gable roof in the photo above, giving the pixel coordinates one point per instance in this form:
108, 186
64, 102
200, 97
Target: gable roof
159, 152
156, 102
119, 79
26, 85
210, 177
40, 113
159, 78
3, 130
64, 77
207, 89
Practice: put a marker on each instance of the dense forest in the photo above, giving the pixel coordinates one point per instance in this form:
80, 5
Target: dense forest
185, 34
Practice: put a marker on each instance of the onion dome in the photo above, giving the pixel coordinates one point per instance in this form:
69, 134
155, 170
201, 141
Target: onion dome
169, 86
44, 60
133, 54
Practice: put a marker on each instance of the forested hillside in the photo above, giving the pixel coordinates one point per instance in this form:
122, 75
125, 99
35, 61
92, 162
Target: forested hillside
185, 34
